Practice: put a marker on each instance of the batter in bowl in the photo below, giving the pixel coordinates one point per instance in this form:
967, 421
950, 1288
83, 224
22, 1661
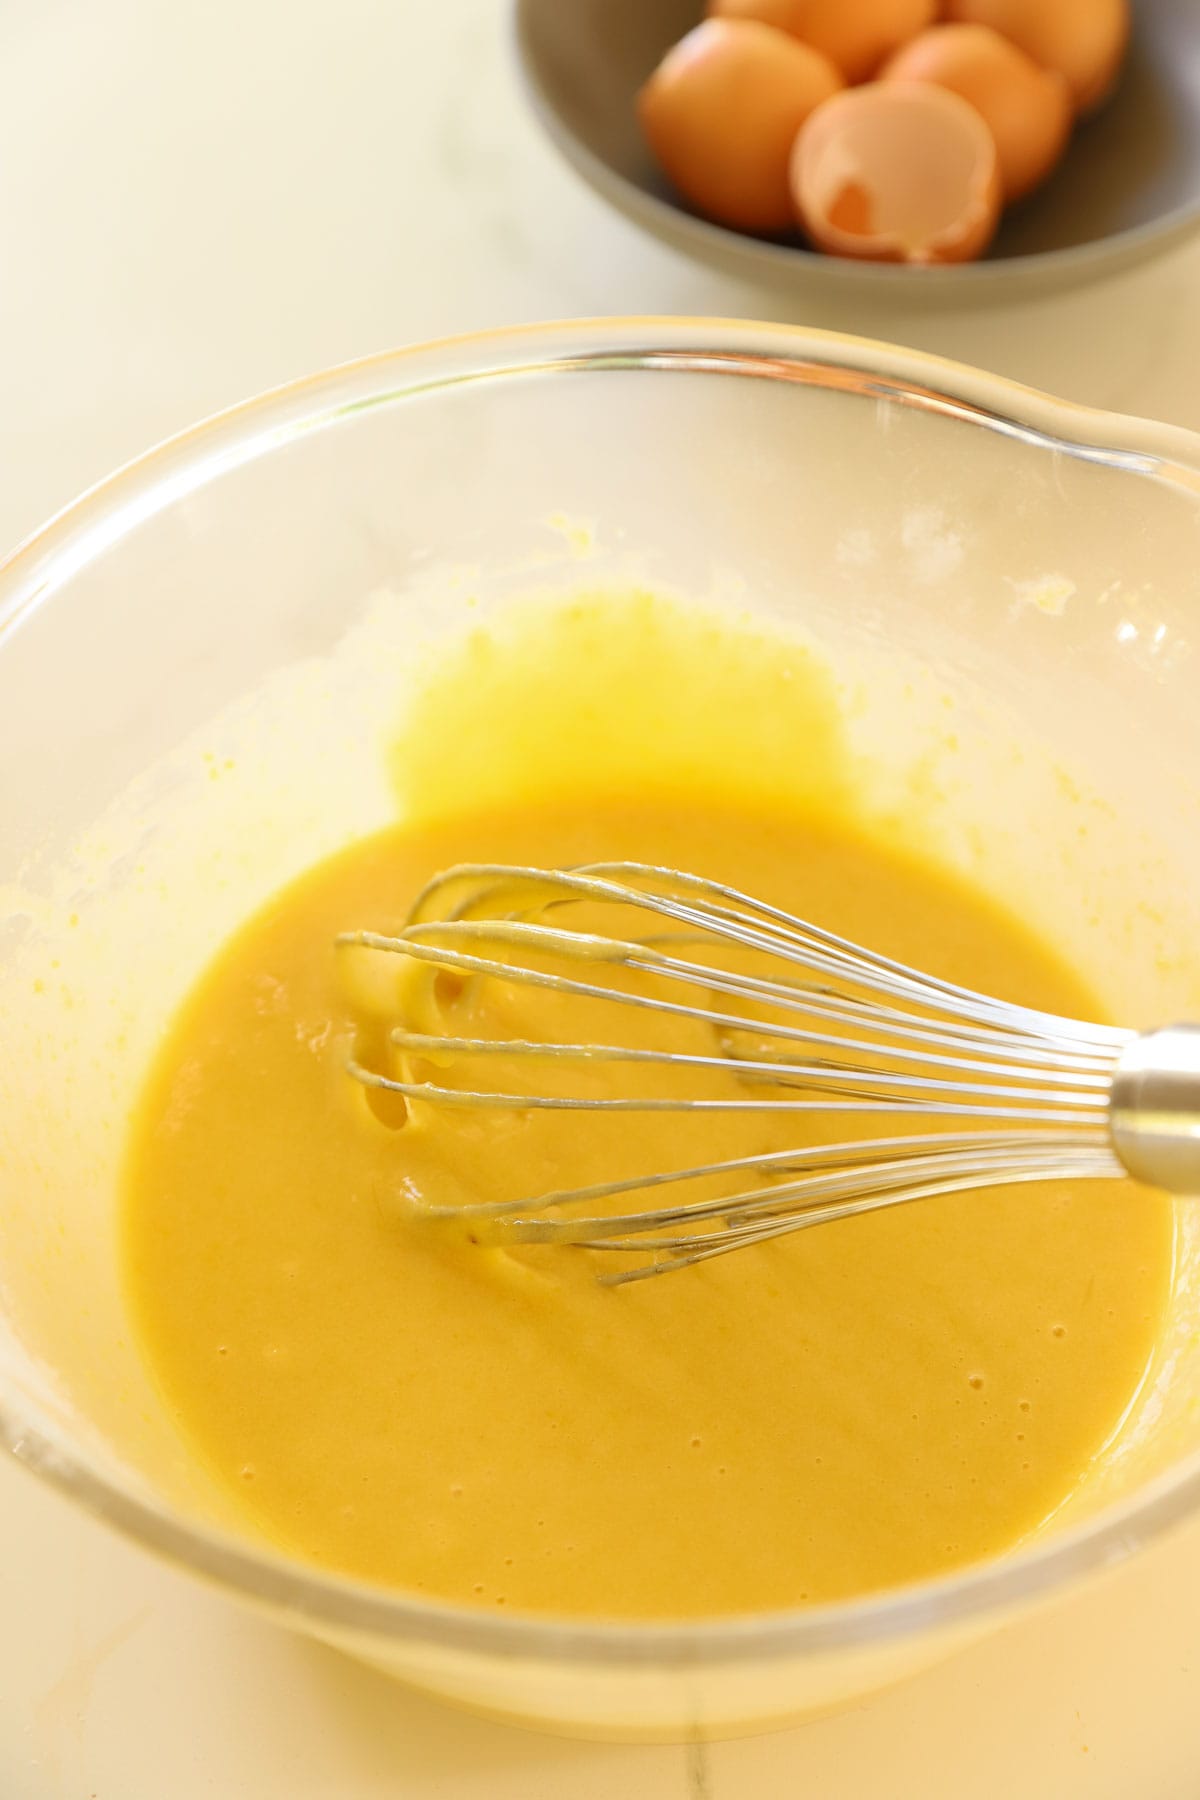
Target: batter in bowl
813, 1418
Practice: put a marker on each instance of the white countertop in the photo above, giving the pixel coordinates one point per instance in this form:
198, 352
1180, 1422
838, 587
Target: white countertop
198, 202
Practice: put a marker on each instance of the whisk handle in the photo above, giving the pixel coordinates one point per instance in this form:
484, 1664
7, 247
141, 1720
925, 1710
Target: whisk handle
1154, 1109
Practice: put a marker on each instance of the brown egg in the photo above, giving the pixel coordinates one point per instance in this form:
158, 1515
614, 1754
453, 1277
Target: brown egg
1026, 108
1084, 40
721, 113
897, 172
855, 34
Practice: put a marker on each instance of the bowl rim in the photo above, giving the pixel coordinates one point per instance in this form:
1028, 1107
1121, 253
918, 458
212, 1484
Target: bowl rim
107, 512
673, 221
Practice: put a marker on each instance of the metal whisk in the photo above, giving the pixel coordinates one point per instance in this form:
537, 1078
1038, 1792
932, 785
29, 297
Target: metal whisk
817, 1027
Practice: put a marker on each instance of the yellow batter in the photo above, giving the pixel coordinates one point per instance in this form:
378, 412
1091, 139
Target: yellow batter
824, 1415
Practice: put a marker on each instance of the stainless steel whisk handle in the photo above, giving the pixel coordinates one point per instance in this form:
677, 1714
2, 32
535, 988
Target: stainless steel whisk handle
1154, 1108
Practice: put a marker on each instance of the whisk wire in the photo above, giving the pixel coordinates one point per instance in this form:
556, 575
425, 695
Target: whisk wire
757, 924
856, 1034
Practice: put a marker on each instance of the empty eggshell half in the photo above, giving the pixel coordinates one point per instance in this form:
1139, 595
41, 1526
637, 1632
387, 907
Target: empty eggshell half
721, 113
897, 172
1027, 108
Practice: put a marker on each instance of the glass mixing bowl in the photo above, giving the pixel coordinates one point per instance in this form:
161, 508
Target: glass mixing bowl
196, 662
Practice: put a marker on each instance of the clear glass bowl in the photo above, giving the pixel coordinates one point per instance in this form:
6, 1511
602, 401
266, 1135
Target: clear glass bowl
194, 659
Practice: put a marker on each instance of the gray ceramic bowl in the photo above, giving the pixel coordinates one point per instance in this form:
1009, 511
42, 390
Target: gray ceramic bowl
1128, 186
